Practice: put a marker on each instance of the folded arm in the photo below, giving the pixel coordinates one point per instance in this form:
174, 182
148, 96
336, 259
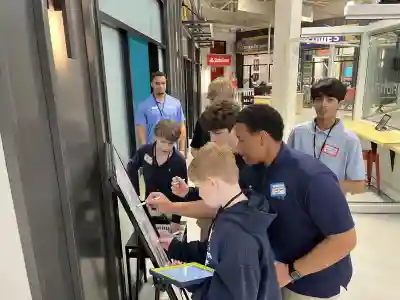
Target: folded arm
188, 252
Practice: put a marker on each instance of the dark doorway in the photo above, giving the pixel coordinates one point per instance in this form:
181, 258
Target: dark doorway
153, 58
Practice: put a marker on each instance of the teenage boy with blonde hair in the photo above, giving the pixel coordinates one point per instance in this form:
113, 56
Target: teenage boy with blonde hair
237, 247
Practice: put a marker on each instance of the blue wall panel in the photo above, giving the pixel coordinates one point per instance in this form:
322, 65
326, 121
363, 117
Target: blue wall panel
140, 70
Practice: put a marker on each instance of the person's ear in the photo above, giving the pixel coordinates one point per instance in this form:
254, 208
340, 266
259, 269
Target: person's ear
264, 138
213, 182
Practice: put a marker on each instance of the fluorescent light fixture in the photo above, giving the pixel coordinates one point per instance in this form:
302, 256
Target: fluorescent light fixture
371, 11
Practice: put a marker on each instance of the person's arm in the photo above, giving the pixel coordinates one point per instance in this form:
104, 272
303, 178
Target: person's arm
195, 209
141, 124
188, 252
328, 207
182, 173
133, 168
141, 130
200, 138
237, 274
355, 170
182, 139
181, 120
290, 141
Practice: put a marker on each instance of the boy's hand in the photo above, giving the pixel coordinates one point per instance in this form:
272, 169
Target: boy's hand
179, 187
175, 263
159, 202
165, 239
282, 272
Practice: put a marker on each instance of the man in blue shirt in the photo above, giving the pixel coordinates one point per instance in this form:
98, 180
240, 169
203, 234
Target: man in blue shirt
159, 106
313, 233
326, 139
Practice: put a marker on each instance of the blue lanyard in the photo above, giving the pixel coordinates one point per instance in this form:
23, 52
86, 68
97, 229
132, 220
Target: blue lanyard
158, 106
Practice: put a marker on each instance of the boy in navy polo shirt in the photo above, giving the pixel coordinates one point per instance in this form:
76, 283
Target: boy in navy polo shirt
160, 162
326, 139
218, 120
237, 247
313, 233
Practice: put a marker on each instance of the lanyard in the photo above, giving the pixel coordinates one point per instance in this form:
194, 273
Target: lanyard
326, 138
219, 212
158, 105
155, 162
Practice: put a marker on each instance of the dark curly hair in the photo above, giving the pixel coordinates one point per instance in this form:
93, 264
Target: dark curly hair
220, 115
330, 87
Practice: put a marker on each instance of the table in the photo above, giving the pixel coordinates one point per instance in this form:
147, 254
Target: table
366, 131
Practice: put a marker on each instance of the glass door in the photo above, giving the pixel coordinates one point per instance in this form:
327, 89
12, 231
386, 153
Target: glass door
381, 96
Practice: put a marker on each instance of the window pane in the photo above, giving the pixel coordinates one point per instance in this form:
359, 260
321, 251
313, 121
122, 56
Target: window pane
383, 79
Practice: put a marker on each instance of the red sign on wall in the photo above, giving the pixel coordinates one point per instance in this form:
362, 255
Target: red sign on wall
219, 60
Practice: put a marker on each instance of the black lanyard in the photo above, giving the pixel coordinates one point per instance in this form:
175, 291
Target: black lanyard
326, 138
158, 105
219, 212
155, 162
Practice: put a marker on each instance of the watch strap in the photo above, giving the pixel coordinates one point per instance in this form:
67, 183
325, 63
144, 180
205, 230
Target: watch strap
295, 275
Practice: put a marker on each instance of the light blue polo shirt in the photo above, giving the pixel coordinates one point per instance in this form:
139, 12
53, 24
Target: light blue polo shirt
151, 112
342, 152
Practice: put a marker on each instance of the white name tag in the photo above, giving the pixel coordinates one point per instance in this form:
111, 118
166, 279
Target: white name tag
330, 150
148, 159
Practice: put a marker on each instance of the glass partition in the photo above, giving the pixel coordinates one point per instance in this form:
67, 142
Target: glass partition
383, 79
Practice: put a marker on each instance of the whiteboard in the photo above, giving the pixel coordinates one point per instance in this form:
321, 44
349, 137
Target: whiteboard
141, 218
138, 212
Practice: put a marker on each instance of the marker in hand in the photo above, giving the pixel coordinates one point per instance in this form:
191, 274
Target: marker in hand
145, 202
175, 181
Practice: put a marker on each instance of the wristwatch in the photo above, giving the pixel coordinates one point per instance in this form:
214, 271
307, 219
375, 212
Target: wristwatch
295, 275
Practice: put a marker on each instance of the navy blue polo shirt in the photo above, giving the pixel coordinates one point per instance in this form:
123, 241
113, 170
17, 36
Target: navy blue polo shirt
157, 178
310, 206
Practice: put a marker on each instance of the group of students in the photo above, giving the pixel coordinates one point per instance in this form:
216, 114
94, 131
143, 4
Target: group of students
279, 226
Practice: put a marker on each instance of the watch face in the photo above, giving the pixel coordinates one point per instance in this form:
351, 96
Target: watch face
295, 275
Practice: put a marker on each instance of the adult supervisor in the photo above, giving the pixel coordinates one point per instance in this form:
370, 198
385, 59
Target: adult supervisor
326, 139
313, 233
159, 106
219, 89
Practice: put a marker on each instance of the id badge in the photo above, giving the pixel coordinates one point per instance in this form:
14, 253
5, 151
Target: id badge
147, 158
278, 190
330, 150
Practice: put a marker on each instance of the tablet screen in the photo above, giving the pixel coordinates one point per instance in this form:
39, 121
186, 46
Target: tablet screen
382, 123
185, 273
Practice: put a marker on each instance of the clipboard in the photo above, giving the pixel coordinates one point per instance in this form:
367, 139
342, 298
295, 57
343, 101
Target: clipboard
183, 275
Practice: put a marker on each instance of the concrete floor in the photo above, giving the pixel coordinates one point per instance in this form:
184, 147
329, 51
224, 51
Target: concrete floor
376, 259
377, 256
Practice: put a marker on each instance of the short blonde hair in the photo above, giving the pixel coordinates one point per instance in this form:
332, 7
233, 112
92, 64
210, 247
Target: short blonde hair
221, 88
213, 160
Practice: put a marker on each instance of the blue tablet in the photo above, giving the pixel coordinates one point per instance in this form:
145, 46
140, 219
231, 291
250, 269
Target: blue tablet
183, 275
